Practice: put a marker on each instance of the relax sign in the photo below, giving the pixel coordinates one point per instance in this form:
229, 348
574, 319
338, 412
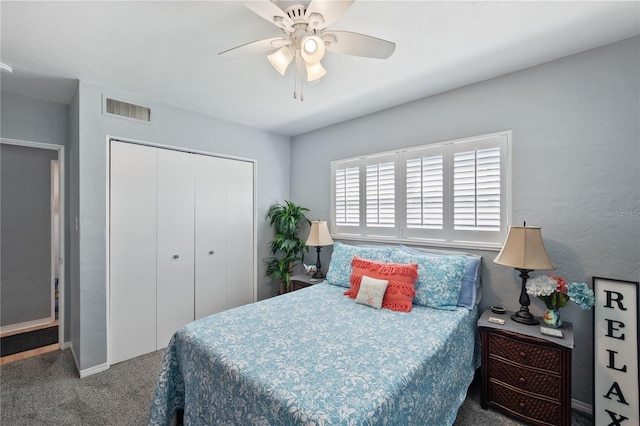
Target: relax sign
615, 353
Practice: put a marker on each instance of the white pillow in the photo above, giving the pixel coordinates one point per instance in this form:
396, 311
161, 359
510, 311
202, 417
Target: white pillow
371, 292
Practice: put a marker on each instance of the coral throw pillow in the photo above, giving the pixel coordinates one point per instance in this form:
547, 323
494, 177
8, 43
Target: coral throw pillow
402, 279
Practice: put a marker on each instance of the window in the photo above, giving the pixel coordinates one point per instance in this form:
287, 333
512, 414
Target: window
453, 193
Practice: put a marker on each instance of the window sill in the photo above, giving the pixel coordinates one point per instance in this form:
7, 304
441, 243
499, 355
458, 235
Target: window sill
470, 245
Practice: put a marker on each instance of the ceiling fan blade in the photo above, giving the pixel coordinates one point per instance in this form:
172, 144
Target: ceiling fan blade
272, 13
358, 44
259, 46
330, 11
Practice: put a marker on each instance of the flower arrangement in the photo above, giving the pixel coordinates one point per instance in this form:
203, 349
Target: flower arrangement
555, 292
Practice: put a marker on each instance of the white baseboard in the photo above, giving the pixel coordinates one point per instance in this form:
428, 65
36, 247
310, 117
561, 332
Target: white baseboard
93, 370
87, 371
66, 345
582, 407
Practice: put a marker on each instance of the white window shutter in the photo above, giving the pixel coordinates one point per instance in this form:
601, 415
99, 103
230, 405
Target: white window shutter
476, 190
380, 193
347, 196
454, 193
424, 192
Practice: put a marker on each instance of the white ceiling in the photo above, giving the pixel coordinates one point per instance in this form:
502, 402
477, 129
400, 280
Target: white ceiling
167, 51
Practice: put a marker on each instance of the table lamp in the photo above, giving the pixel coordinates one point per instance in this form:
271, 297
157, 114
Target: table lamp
524, 251
319, 236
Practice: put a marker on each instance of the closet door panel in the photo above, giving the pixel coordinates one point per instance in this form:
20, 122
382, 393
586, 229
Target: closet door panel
132, 254
240, 228
210, 235
175, 247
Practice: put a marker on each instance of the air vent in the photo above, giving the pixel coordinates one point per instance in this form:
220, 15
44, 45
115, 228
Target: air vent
124, 109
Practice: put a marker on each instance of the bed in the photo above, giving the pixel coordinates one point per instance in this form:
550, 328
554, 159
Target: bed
315, 357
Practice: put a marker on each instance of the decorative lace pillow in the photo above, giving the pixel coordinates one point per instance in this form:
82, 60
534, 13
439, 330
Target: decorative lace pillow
371, 292
402, 278
340, 267
439, 279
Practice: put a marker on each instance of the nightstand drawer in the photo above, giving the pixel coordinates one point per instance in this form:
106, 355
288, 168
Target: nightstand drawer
525, 379
537, 410
528, 354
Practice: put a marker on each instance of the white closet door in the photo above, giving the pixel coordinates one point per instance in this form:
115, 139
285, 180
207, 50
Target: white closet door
132, 255
240, 235
211, 235
175, 294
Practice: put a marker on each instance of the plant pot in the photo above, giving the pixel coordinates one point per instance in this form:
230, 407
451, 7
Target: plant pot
552, 318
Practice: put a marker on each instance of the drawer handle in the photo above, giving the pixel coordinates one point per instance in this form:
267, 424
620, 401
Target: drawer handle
211, 252
176, 256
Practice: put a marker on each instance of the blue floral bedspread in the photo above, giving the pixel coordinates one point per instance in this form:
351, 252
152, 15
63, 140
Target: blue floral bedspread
315, 357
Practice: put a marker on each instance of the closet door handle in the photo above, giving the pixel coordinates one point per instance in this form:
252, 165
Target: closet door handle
211, 252
176, 256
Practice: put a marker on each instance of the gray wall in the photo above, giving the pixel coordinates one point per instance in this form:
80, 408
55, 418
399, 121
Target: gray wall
25, 293
37, 120
170, 126
576, 152
34, 120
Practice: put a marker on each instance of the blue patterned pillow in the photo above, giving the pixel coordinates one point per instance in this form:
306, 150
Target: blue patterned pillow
339, 271
470, 293
439, 279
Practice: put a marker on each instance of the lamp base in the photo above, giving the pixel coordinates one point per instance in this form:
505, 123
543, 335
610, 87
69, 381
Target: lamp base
524, 317
318, 275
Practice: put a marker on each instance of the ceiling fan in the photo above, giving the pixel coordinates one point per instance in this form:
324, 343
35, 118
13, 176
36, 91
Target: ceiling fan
306, 36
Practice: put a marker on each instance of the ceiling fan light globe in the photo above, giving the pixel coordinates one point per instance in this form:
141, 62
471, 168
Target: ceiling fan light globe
281, 59
310, 46
315, 71
312, 49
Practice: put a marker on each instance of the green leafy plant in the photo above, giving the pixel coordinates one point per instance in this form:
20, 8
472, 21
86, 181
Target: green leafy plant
288, 221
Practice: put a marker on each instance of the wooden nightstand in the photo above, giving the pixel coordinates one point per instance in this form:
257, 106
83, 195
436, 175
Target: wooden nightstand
524, 372
302, 281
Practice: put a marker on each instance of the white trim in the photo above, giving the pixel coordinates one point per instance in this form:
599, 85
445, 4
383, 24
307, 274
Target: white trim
420, 242
87, 371
24, 325
94, 370
54, 252
178, 148
582, 407
61, 225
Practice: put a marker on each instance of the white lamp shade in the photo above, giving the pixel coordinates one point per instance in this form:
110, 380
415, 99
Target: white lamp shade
312, 49
319, 234
281, 59
314, 71
524, 249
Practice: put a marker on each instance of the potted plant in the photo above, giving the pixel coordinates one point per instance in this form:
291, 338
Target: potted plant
288, 221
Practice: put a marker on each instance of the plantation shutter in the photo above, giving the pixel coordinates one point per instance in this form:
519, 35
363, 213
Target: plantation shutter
380, 191
424, 180
454, 193
347, 194
425, 185
479, 190
476, 190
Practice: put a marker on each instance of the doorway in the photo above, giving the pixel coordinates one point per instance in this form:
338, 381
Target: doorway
32, 248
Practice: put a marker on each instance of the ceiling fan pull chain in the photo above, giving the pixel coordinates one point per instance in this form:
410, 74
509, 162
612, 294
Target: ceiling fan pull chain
295, 83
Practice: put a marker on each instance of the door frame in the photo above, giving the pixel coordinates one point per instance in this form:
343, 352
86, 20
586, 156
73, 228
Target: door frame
61, 237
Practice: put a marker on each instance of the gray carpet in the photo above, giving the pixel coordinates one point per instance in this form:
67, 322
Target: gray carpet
45, 390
